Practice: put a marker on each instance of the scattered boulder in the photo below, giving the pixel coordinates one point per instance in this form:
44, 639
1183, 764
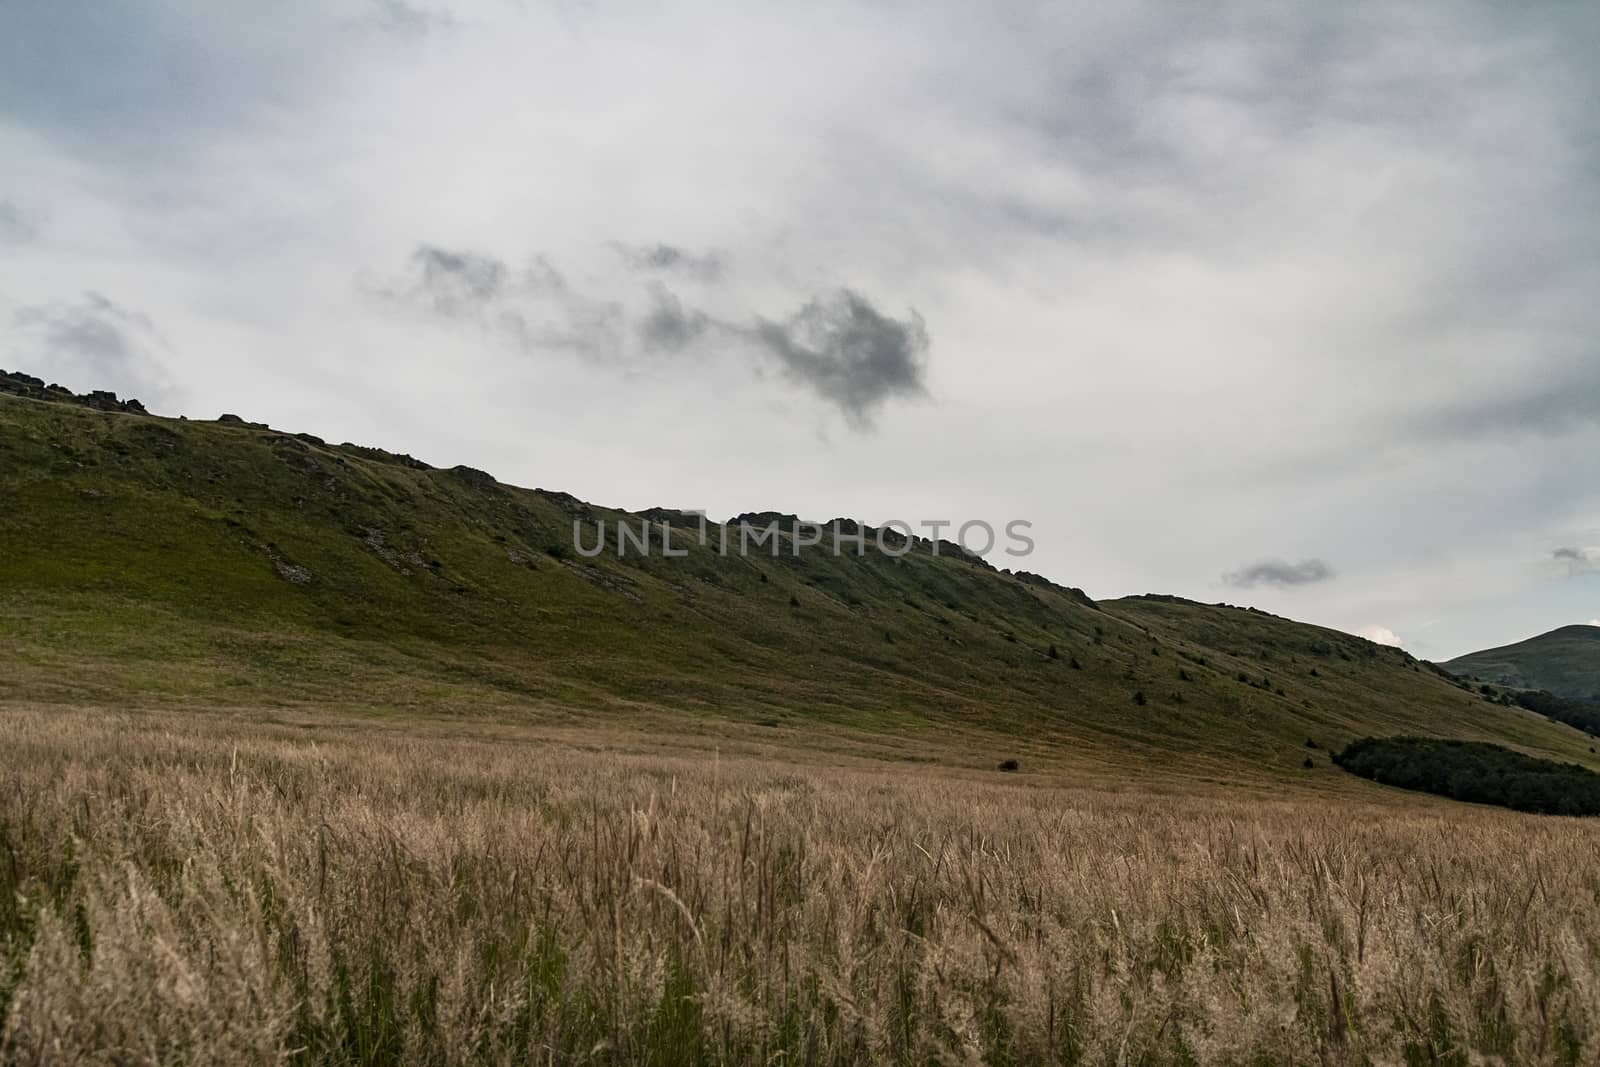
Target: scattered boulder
766, 518
378, 455
474, 477
672, 515
292, 573
567, 503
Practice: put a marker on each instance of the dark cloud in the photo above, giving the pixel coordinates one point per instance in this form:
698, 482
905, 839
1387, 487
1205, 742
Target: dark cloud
668, 325
1578, 560
93, 343
532, 307
849, 352
1279, 573
456, 283
664, 258
839, 346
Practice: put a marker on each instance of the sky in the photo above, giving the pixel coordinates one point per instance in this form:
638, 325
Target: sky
1295, 306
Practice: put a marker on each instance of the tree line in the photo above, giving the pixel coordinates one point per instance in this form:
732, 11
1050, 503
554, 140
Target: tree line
1575, 713
1475, 772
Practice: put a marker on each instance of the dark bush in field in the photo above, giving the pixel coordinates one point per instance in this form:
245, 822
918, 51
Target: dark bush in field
1476, 772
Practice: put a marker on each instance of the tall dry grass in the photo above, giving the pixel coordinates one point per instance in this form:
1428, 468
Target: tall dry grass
186, 889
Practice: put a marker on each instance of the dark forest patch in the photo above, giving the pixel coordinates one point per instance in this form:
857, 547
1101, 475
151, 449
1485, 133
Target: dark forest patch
1475, 772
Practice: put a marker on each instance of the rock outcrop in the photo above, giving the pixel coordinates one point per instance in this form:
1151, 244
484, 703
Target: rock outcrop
18, 384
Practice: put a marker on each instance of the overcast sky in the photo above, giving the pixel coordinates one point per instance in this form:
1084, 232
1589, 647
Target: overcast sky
1298, 309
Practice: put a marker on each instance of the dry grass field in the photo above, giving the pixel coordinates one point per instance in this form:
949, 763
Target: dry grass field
184, 887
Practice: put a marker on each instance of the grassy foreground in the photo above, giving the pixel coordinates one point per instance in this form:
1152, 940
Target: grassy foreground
177, 887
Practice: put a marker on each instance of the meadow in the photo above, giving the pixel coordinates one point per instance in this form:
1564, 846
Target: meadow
182, 886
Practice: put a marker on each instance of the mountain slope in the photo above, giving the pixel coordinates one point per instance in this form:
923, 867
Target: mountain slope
150, 561
1565, 662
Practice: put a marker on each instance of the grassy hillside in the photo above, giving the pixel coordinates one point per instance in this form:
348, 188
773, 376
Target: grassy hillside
1565, 662
154, 561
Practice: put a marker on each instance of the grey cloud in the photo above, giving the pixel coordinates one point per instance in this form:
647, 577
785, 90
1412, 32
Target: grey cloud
1578, 560
838, 346
456, 283
594, 329
533, 307
1279, 573
93, 343
180, 73
1567, 397
399, 17
15, 226
664, 258
668, 325
849, 352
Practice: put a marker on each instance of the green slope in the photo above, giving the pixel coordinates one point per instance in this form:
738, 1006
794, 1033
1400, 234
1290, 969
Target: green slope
1565, 662
152, 561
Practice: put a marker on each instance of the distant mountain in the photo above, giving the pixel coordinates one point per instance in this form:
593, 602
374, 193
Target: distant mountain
148, 561
1565, 662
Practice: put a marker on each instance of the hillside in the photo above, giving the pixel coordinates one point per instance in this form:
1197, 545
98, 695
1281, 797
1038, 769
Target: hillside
1565, 662
152, 561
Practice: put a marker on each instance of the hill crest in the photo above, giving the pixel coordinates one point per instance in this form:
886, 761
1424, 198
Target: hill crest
158, 561
1565, 661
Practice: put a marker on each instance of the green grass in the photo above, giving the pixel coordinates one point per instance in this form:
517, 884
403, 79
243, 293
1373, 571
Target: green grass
1565, 662
151, 561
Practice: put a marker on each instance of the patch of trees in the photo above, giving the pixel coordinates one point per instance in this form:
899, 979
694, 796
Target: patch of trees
1475, 772
1576, 713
